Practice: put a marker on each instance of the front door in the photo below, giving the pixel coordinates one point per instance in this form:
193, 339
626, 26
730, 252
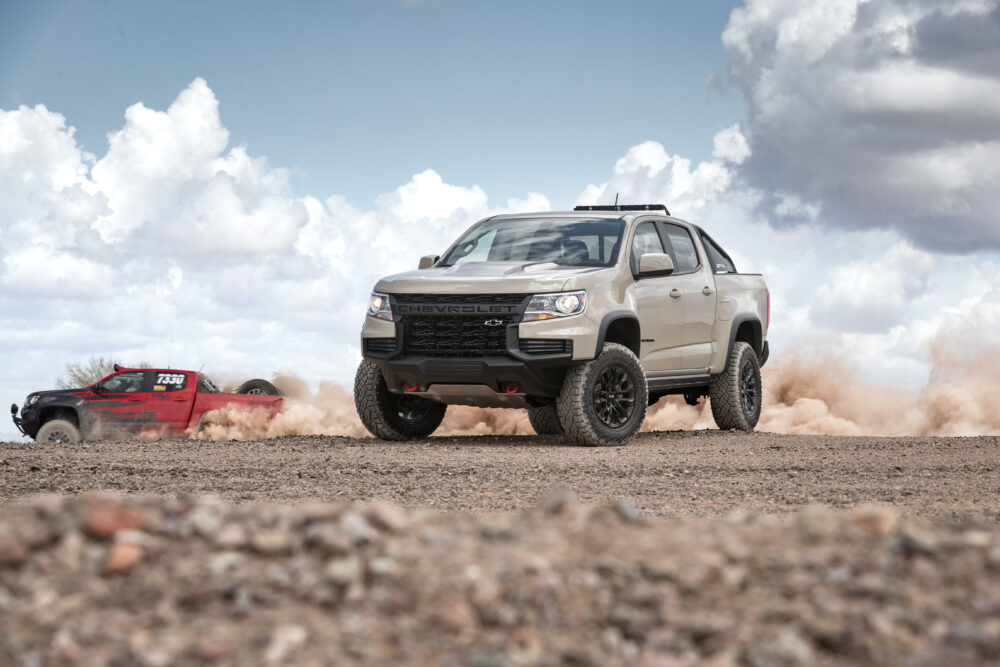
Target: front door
119, 404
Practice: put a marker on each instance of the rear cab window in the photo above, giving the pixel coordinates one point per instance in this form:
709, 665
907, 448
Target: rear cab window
716, 257
168, 381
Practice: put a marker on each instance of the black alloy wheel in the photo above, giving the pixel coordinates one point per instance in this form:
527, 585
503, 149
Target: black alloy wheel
614, 397
413, 408
59, 435
748, 388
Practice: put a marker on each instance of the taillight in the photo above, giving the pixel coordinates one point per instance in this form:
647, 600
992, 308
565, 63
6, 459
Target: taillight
768, 308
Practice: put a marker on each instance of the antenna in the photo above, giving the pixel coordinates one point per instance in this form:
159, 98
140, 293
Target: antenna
616, 199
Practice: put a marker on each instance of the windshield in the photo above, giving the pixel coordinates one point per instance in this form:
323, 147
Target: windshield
565, 241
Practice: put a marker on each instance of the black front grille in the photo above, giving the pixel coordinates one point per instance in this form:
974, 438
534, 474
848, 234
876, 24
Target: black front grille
484, 299
379, 345
538, 346
456, 335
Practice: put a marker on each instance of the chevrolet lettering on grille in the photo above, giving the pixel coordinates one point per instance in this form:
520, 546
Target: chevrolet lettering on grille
454, 309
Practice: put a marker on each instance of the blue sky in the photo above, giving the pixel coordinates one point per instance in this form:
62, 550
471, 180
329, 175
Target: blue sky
351, 95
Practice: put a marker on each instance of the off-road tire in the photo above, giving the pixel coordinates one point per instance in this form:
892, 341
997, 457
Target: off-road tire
383, 413
58, 430
545, 420
580, 399
258, 388
735, 394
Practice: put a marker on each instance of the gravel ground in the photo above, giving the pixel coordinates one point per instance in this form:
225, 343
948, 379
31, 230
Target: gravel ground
663, 474
101, 580
688, 548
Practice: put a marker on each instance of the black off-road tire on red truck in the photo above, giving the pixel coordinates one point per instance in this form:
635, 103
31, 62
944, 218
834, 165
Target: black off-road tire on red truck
258, 388
736, 393
545, 420
603, 402
392, 416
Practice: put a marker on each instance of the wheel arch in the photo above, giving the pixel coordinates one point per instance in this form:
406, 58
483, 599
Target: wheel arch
747, 329
619, 327
66, 412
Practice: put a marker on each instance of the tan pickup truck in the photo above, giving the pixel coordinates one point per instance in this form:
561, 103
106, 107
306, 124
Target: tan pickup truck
584, 318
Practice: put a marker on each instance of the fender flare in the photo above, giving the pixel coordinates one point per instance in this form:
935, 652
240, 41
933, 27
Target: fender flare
611, 318
758, 342
63, 406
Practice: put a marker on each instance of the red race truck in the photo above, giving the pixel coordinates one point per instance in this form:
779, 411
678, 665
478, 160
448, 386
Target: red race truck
136, 400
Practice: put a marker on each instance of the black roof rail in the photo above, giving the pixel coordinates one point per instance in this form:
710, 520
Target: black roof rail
625, 207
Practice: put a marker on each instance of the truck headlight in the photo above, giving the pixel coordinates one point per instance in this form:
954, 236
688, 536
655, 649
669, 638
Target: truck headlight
379, 308
31, 400
551, 306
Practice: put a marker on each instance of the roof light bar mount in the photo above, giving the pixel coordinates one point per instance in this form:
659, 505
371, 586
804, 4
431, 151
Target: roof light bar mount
625, 207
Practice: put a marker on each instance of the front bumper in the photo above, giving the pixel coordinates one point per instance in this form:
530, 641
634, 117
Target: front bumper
27, 423
509, 379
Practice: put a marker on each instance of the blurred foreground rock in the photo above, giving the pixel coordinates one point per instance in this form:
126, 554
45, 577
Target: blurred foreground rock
107, 580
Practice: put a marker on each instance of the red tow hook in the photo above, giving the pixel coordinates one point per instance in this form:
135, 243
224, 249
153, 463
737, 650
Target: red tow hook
511, 389
412, 387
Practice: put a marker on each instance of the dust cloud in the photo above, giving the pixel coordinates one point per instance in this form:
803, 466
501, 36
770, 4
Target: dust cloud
804, 393
330, 411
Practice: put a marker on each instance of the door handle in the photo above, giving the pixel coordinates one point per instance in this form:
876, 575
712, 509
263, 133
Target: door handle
707, 291
675, 293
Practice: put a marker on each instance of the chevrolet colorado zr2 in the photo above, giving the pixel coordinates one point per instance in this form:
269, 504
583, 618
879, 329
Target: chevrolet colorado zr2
584, 318
136, 400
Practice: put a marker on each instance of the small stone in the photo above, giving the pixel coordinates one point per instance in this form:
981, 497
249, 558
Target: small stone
205, 520
231, 536
272, 542
65, 647
328, 538
284, 641
876, 520
787, 649
994, 556
13, 550
225, 561
627, 511
104, 516
345, 571
356, 527
915, 539
816, 522
122, 557
557, 499
456, 615
387, 517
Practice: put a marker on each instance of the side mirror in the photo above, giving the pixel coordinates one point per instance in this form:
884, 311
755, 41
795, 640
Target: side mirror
98, 388
427, 261
655, 264
13, 409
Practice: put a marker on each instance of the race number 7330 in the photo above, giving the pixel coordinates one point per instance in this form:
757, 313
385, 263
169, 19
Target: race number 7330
170, 378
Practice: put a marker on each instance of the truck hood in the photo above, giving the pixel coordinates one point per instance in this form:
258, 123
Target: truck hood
489, 278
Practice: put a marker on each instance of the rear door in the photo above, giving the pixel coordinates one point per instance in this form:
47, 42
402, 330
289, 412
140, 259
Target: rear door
698, 296
171, 399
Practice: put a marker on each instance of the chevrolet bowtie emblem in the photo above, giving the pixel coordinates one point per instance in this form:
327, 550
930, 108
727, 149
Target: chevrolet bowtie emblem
493, 323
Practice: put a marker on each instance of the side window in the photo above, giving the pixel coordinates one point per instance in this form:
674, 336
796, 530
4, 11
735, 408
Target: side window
646, 240
123, 383
720, 263
685, 256
169, 381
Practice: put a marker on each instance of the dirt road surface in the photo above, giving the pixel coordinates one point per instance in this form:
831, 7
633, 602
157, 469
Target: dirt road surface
663, 474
